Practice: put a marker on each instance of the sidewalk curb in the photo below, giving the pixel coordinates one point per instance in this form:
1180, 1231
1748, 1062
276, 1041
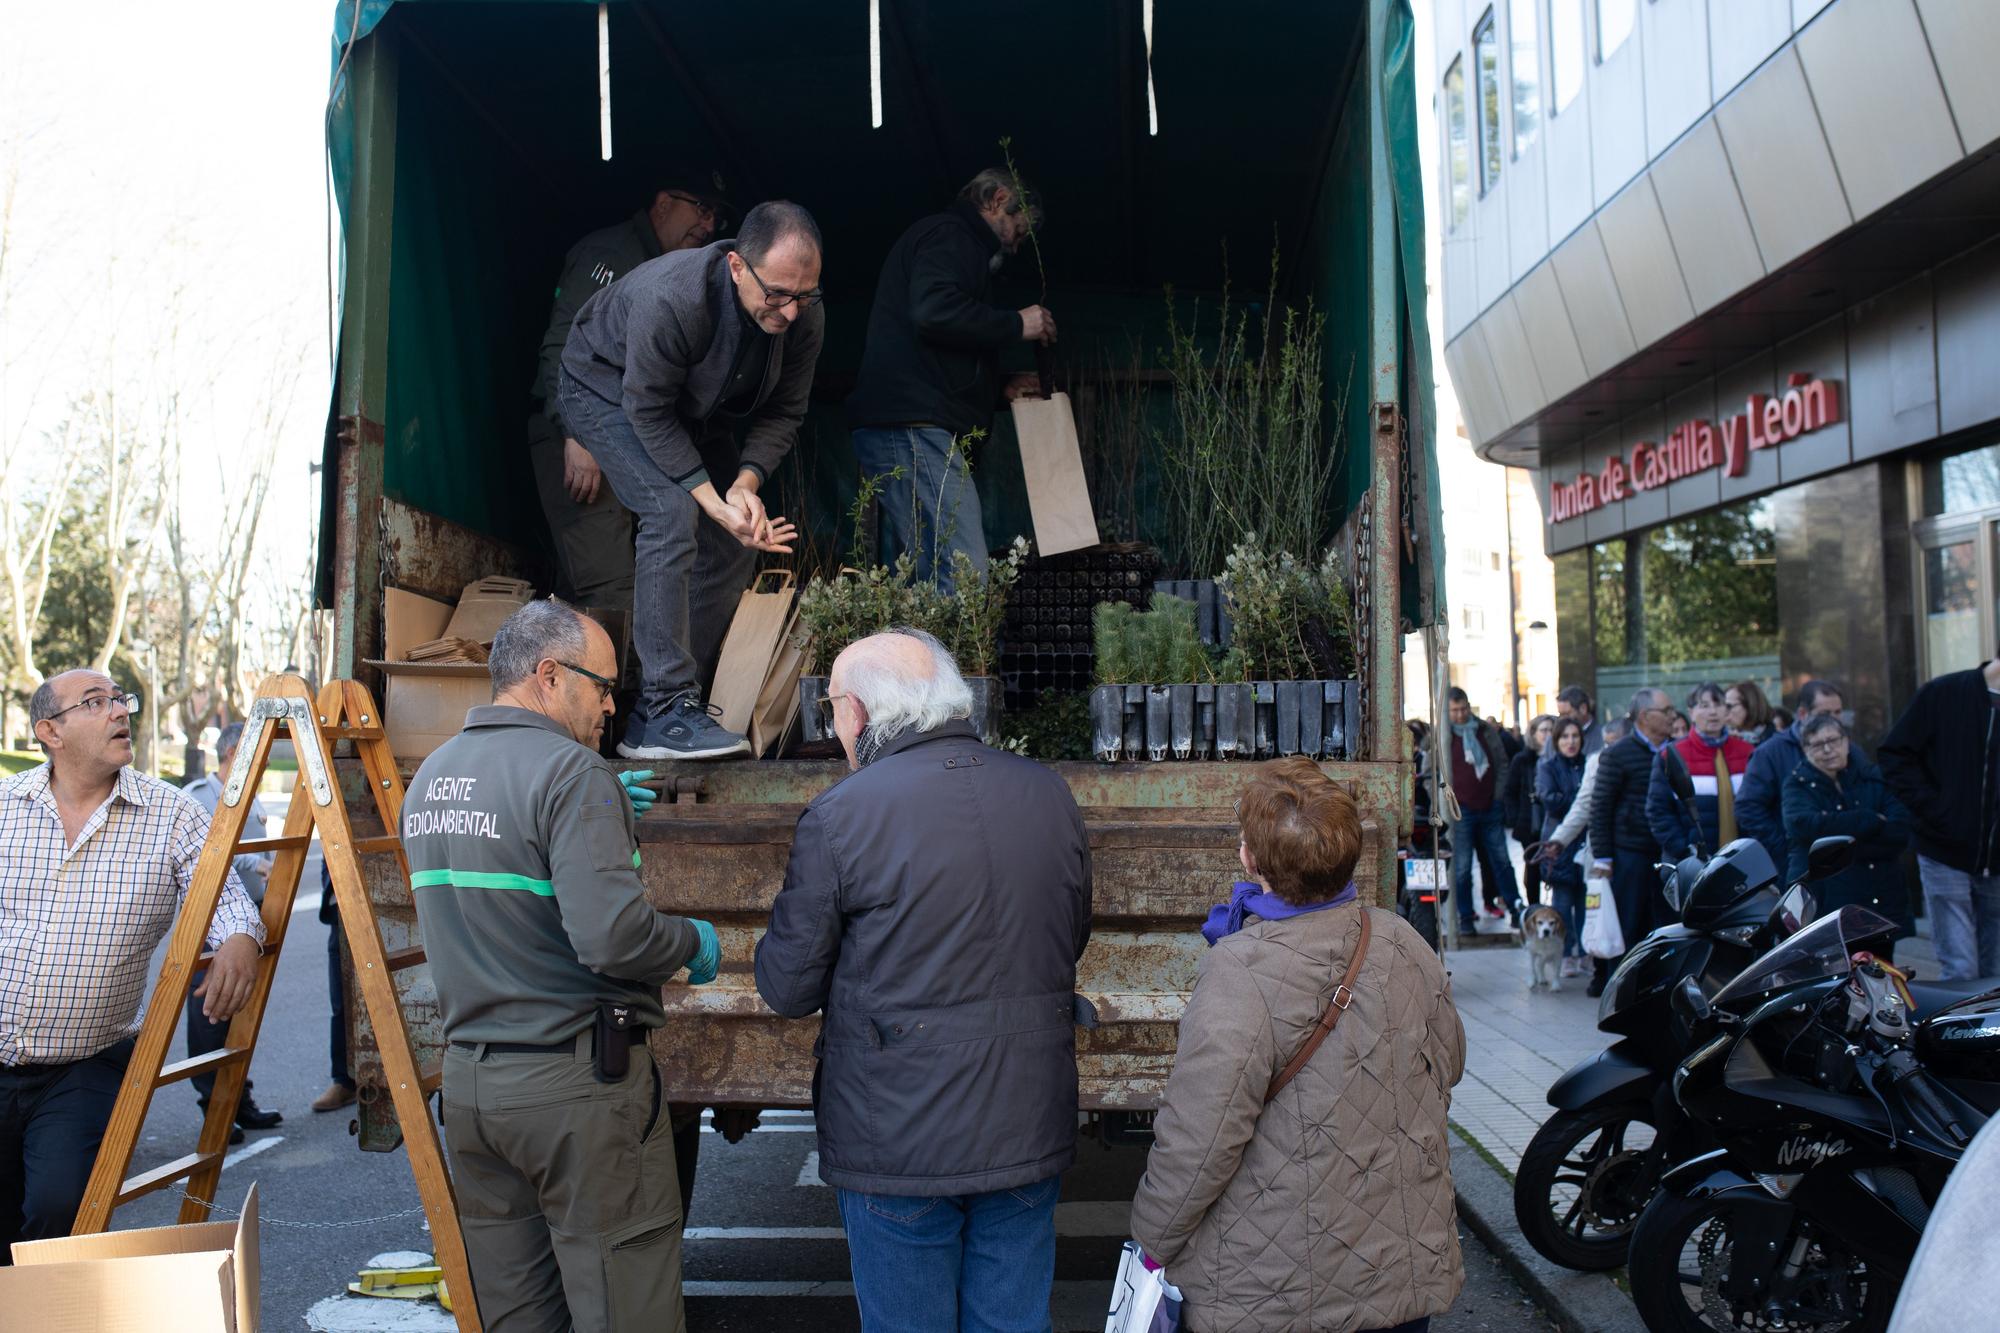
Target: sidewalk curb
1575, 1302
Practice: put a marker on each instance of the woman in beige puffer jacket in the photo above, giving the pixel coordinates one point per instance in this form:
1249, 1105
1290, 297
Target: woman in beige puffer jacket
1330, 1208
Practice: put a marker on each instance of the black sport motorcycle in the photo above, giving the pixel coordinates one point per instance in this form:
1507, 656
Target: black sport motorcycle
1838, 1114
1591, 1167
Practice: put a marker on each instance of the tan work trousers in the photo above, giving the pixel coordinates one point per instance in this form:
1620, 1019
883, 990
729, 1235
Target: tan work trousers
566, 1192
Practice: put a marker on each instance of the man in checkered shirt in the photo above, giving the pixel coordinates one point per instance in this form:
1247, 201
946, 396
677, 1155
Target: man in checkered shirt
95, 860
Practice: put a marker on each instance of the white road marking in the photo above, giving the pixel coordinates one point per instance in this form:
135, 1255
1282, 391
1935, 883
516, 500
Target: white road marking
765, 1233
250, 1150
809, 1171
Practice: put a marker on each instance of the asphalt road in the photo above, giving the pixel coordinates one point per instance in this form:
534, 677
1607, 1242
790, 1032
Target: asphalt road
764, 1250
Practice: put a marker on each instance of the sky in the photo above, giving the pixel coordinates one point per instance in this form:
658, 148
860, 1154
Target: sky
171, 218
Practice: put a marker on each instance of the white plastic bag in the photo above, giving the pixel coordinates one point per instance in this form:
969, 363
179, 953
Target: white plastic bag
1603, 937
1142, 1300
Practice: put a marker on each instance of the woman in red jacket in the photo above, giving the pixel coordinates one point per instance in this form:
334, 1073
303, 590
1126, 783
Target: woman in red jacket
1715, 759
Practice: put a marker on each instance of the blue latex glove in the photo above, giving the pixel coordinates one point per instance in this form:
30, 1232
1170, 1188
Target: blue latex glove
707, 960
642, 798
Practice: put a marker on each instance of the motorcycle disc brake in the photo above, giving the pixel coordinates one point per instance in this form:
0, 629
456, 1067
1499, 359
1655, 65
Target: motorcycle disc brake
1607, 1200
1721, 1313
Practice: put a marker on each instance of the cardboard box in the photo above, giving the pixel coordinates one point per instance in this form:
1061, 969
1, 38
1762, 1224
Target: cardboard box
484, 607
423, 703
190, 1279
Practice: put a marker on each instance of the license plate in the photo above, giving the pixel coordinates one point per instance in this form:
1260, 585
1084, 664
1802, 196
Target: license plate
1422, 874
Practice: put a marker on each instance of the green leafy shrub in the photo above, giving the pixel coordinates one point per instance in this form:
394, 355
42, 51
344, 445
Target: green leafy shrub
1055, 726
1160, 646
1289, 620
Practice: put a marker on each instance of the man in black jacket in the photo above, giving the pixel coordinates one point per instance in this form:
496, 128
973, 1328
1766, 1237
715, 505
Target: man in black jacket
935, 906
930, 374
1942, 759
656, 367
1622, 848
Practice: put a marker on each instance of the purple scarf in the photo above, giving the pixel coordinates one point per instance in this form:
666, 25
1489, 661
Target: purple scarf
1247, 899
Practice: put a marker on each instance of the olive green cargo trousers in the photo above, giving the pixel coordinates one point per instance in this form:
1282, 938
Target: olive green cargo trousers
566, 1191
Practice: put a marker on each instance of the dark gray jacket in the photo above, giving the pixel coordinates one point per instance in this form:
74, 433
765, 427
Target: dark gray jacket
935, 907
662, 341
526, 878
591, 265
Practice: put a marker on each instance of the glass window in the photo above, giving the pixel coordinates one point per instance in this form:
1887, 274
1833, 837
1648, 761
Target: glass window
1689, 601
1951, 608
1614, 24
1525, 50
1486, 58
1458, 142
1473, 620
1566, 50
1969, 480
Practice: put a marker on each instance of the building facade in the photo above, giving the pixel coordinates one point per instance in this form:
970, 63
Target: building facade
1725, 275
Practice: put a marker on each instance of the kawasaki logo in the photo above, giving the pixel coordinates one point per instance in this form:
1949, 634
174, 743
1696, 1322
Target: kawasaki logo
1795, 1152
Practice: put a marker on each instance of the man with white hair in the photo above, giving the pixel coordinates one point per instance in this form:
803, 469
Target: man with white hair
936, 903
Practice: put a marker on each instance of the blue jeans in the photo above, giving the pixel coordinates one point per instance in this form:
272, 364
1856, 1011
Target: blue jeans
1569, 902
1965, 919
932, 510
1483, 834
52, 1118
690, 570
977, 1263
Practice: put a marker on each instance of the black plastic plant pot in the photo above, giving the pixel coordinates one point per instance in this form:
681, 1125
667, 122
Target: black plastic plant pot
988, 694
1334, 719
1204, 721
1159, 718
812, 722
1267, 718
1286, 741
1231, 702
1180, 707
1135, 721
1107, 722
1311, 718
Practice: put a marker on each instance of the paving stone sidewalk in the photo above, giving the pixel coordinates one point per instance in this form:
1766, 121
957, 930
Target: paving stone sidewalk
1518, 1042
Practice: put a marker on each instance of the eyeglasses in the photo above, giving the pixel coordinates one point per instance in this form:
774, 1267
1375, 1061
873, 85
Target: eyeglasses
605, 686
1828, 746
705, 209
777, 297
824, 705
95, 704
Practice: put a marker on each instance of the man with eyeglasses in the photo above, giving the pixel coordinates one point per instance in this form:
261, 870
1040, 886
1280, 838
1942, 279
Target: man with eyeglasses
95, 861
1622, 847
592, 531
930, 373
548, 963
659, 369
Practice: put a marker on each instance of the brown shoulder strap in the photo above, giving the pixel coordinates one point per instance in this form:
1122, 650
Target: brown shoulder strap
1343, 995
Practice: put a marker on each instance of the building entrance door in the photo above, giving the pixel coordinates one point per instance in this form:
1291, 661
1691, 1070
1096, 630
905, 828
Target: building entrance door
1959, 584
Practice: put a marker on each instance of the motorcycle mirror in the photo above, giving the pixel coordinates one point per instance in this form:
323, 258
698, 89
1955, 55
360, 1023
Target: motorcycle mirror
1679, 781
1797, 909
1690, 1003
1828, 856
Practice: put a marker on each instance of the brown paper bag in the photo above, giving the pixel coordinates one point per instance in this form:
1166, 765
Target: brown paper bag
755, 634
778, 701
1052, 461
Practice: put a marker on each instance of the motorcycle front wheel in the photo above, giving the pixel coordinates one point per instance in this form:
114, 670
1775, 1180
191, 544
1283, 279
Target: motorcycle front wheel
1681, 1251
1583, 1182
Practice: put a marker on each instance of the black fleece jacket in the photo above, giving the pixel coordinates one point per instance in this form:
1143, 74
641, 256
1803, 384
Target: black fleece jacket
934, 343
1939, 760
1618, 824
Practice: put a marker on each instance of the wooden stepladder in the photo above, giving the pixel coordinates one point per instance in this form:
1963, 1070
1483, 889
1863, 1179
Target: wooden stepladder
285, 709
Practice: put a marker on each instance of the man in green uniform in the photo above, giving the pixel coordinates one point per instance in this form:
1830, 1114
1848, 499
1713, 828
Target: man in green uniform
592, 531
548, 964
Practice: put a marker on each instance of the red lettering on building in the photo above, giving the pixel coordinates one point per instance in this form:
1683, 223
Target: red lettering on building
1695, 446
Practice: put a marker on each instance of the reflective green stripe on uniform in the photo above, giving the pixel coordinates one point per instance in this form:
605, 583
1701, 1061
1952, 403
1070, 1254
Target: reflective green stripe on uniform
485, 879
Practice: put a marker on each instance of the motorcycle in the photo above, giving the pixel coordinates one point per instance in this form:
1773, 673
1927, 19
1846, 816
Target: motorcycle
1838, 1116
1592, 1166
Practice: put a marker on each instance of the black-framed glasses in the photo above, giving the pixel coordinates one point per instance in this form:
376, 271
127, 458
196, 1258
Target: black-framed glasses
706, 209
1827, 746
605, 686
777, 297
95, 705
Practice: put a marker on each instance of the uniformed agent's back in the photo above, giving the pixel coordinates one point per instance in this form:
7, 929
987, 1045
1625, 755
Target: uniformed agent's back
548, 963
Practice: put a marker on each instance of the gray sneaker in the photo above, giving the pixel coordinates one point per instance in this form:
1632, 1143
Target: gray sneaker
687, 730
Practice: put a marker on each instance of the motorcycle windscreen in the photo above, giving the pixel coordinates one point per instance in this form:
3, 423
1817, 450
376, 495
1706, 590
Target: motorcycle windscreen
1824, 949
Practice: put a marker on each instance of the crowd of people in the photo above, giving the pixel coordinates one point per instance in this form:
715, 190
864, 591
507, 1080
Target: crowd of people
1590, 803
